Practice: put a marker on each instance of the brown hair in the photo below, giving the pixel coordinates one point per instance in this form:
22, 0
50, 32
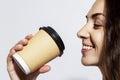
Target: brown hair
110, 60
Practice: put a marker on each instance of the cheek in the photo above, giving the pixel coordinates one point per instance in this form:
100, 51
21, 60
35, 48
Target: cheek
98, 37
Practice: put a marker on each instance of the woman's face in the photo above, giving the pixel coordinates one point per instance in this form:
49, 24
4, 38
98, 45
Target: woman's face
92, 34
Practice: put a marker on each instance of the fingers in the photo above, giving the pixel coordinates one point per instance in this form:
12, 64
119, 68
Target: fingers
15, 49
22, 43
44, 69
19, 46
28, 37
25, 41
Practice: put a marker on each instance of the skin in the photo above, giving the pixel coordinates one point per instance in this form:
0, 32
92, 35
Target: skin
14, 72
92, 34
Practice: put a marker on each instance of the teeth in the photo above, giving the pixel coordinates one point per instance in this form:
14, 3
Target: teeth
86, 47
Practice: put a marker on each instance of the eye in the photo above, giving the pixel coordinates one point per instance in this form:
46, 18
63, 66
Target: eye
97, 23
96, 26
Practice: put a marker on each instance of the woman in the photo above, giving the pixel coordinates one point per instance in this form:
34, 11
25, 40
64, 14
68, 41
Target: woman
100, 39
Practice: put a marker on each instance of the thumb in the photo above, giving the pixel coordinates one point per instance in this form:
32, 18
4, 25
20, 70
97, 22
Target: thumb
42, 70
45, 69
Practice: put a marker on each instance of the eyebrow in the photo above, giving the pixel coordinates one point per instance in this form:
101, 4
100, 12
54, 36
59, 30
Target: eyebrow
95, 15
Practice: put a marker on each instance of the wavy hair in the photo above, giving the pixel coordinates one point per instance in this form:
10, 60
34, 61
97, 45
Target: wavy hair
111, 58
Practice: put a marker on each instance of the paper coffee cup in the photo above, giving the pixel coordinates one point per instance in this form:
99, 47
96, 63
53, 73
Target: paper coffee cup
44, 46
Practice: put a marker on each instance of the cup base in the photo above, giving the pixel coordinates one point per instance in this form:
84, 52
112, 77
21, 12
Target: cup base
21, 63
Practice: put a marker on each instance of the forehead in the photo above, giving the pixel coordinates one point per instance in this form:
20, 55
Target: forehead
98, 7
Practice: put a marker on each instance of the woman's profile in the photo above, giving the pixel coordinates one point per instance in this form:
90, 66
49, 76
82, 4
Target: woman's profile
100, 43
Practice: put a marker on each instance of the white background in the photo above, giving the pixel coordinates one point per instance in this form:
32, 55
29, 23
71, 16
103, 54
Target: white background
21, 17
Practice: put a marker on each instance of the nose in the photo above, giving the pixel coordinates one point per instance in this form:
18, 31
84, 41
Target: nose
84, 32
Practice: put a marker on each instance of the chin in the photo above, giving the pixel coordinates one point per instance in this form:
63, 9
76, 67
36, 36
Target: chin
89, 62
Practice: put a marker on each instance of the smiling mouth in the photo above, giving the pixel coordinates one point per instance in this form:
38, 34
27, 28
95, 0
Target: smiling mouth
87, 47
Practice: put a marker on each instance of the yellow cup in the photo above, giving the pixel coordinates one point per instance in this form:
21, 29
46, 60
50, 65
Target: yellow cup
44, 46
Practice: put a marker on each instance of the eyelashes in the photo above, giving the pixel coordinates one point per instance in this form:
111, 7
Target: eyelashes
97, 25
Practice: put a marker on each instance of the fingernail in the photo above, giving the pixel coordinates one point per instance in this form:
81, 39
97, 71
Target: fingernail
24, 40
19, 45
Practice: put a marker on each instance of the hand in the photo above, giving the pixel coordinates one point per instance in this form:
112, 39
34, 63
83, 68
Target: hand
14, 72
